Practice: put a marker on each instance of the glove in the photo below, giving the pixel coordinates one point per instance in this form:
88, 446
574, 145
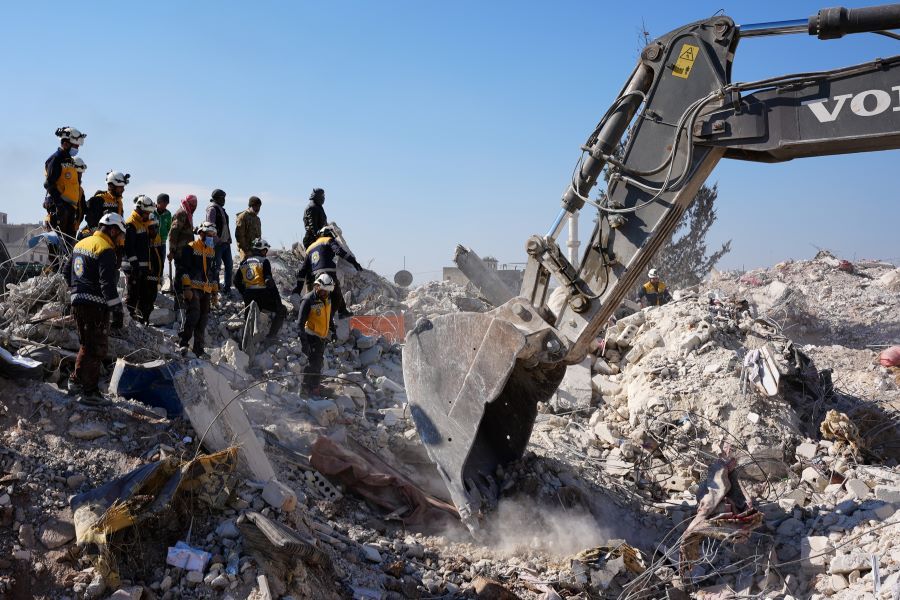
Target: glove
188, 294
118, 319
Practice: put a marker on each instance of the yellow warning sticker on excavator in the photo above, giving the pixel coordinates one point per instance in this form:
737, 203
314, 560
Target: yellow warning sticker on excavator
685, 62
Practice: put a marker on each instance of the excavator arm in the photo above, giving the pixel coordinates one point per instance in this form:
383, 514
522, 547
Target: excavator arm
474, 380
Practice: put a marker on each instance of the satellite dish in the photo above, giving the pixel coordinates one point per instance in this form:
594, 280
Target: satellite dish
403, 278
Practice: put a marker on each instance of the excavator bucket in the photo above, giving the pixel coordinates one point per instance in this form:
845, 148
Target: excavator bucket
473, 400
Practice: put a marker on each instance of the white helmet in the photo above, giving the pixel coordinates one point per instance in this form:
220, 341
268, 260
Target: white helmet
652, 274
144, 204
113, 219
259, 244
325, 282
117, 178
207, 227
331, 229
71, 135
80, 165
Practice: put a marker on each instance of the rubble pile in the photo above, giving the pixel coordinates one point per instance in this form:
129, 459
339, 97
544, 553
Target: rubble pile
824, 300
707, 448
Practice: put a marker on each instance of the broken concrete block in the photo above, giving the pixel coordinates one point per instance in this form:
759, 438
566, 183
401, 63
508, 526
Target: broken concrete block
370, 356
858, 488
806, 450
342, 329
606, 434
813, 552
847, 563
163, 316
606, 387
814, 478
887, 493
602, 367
57, 533
690, 343
624, 339
325, 412
212, 407
575, 389
280, 496
389, 385
364, 342
88, 431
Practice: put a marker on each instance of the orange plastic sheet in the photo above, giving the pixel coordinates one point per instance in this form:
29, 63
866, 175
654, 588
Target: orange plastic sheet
390, 326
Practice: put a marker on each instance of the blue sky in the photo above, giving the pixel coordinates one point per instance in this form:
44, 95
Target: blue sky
427, 123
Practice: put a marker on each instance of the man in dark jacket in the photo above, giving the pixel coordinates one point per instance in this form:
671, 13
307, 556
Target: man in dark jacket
314, 217
137, 253
320, 258
255, 283
248, 227
199, 289
316, 318
215, 214
63, 186
92, 275
154, 275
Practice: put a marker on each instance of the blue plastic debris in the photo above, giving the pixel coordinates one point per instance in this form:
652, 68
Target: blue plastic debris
150, 383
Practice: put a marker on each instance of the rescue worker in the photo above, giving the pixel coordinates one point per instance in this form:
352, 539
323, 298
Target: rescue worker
255, 283
316, 317
80, 168
151, 283
320, 258
199, 288
248, 228
63, 188
215, 214
92, 275
109, 201
165, 219
137, 252
654, 292
180, 235
314, 218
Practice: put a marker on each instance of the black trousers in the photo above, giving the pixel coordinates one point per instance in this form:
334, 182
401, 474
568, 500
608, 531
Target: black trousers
312, 375
268, 299
195, 320
149, 291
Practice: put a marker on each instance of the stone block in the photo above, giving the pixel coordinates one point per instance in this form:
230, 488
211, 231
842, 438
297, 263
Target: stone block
887, 493
858, 488
806, 450
280, 496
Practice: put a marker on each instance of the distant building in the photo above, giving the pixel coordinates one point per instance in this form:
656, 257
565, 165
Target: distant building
511, 274
15, 237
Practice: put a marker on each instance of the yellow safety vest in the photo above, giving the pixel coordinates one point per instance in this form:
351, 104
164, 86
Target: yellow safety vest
252, 271
319, 318
68, 185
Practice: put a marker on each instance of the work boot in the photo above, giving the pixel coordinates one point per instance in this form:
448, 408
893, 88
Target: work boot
94, 398
183, 350
74, 388
201, 353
